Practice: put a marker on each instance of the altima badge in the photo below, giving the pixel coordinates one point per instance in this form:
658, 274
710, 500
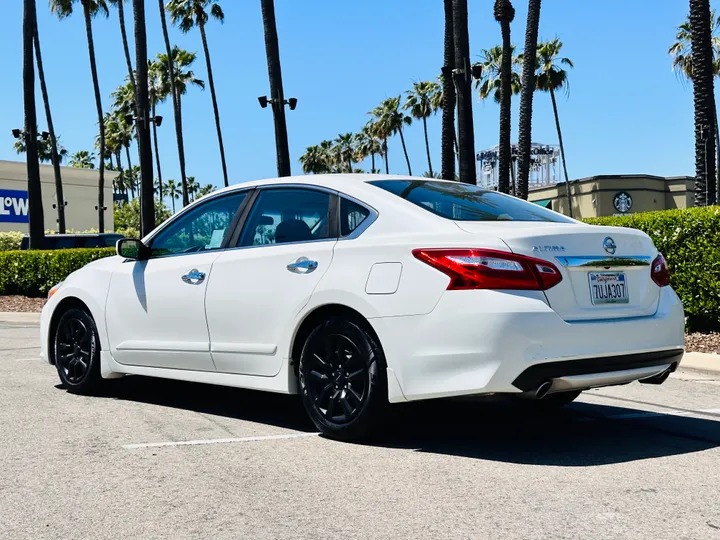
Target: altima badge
557, 249
609, 245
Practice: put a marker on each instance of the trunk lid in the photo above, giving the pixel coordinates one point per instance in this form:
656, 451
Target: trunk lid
602, 279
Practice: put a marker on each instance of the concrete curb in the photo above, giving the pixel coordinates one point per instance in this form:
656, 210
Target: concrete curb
12, 317
701, 361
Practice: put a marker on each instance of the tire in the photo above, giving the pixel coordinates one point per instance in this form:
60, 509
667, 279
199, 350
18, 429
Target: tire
76, 346
343, 381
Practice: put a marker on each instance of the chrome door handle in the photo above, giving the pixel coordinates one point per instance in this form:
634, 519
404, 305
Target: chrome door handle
194, 277
302, 266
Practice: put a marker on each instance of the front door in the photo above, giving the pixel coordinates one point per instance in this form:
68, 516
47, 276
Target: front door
257, 289
156, 308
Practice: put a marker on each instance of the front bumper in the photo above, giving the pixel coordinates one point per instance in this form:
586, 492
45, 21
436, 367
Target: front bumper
482, 342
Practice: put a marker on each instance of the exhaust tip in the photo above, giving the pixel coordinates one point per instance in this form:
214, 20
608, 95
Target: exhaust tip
543, 389
660, 377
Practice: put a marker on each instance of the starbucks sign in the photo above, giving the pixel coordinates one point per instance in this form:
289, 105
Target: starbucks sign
623, 202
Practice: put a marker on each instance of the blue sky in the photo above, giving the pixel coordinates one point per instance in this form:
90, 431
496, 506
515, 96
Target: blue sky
626, 111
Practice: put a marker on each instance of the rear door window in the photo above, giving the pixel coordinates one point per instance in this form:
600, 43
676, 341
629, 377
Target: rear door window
352, 215
465, 202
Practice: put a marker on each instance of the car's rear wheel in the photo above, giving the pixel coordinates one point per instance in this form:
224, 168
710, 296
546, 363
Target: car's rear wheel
77, 351
342, 379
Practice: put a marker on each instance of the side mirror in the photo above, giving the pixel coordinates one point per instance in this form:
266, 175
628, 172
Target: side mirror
132, 248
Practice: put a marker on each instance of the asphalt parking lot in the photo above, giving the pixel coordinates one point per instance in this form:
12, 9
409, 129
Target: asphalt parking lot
162, 459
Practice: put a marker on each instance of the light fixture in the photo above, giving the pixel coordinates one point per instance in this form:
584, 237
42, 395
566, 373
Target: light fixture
263, 101
16, 133
44, 135
158, 121
476, 71
292, 103
129, 119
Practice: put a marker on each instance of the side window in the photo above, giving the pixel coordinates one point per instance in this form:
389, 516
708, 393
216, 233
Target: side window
287, 215
351, 216
200, 229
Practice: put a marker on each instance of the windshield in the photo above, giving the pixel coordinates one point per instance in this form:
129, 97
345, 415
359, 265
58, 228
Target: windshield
465, 202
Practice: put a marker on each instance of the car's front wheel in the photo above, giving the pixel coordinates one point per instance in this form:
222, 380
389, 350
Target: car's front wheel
343, 379
77, 351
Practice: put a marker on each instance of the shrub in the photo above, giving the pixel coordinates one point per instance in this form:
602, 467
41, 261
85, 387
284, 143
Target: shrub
10, 240
690, 240
33, 273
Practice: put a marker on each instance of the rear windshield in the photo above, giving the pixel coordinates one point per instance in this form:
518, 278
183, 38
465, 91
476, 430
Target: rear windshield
465, 202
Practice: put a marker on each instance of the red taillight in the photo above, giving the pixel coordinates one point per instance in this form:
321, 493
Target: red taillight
660, 273
490, 269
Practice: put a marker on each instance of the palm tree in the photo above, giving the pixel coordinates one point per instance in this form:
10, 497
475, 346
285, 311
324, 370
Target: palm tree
171, 81
171, 190
448, 139
345, 151
504, 14
420, 104
82, 159
63, 9
551, 77
463, 80
389, 120
315, 160
55, 156
182, 60
704, 101
44, 149
120, 5
367, 144
379, 132
189, 13
272, 51
681, 51
36, 217
193, 187
158, 93
205, 190
526, 97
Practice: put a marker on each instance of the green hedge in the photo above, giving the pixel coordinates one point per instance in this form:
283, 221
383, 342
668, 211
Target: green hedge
33, 273
10, 241
690, 241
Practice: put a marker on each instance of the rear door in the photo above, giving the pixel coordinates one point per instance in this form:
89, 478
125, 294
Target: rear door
257, 289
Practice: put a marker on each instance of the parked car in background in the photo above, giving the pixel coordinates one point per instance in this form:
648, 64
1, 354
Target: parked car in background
71, 241
359, 290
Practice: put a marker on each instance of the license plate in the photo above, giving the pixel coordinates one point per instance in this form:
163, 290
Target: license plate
608, 288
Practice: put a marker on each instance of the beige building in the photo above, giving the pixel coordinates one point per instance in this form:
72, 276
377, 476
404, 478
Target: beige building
608, 195
79, 190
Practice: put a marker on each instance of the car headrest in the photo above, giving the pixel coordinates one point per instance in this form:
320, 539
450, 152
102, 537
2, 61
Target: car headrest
292, 230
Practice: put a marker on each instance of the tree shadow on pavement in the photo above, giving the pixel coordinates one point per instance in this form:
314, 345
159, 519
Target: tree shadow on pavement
582, 434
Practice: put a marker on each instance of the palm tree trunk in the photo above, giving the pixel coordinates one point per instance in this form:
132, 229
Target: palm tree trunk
101, 123
704, 101
526, 97
128, 61
121, 176
562, 152
427, 146
387, 163
407, 159
466, 132
372, 161
157, 156
36, 218
142, 105
276, 87
214, 102
176, 105
505, 152
51, 128
448, 137
131, 177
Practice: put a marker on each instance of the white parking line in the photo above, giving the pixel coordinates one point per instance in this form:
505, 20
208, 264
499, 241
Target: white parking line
219, 441
651, 414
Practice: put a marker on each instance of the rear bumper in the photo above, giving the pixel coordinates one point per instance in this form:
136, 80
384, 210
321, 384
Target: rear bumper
481, 342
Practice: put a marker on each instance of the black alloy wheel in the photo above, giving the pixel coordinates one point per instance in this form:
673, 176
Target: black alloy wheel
342, 379
77, 351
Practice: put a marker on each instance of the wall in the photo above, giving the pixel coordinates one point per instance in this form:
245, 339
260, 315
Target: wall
594, 196
79, 189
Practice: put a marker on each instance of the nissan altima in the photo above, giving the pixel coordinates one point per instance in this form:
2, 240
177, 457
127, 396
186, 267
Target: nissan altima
357, 291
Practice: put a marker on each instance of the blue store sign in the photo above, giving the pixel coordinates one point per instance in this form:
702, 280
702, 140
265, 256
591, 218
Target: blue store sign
13, 206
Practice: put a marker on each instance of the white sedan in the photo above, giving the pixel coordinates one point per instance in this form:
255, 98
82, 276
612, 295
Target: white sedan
361, 290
